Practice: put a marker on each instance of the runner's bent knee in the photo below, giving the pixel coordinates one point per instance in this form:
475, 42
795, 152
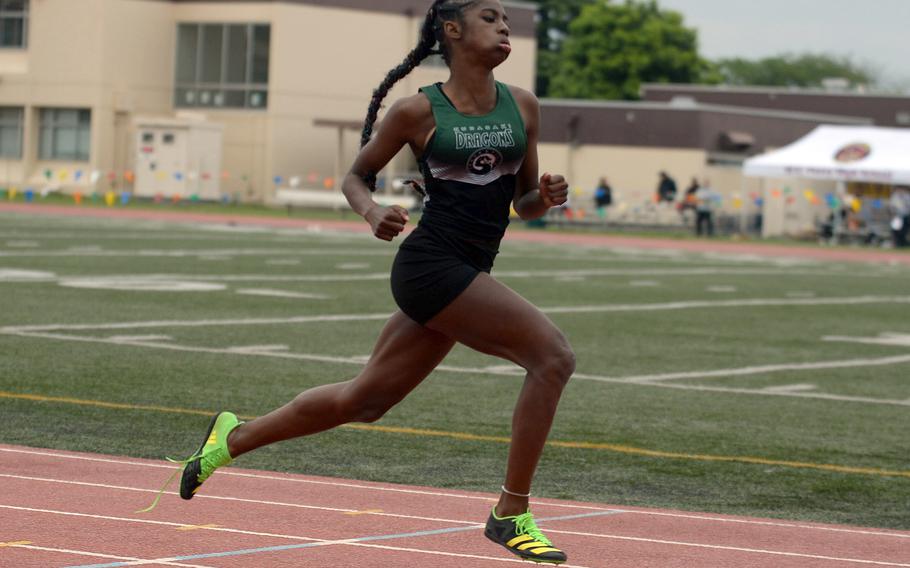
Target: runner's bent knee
556, 364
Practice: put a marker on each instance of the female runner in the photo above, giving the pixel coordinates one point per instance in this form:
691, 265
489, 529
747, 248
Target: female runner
476, 142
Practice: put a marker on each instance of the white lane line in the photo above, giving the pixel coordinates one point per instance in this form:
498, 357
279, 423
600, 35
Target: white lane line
99, 555
762, 392
315, 541
763, 369
258, 348
798, 387
592, 272
19, 275
733, 548
349, 485
282, 294
366, 277
721, 289
96, 251
590, 309
169, 560
199, 323
885, 338
739, 303
487, 498
503, 370
237, 499
294, 238
151, 522
140, 284
131, 338
352, 266
780, 524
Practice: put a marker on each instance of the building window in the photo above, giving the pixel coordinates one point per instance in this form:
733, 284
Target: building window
11, 132
903, 118
66, 134
222, 65
13, 23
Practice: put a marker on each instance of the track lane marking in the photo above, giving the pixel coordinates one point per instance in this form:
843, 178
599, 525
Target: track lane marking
377, 512
361, 541
198, 527
30, 546
733, 548
313, 542
535, 502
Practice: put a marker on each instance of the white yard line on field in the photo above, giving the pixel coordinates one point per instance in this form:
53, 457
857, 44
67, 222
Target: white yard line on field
763, 369
515, 371
282, 294
738, 303
589, 309
95, 251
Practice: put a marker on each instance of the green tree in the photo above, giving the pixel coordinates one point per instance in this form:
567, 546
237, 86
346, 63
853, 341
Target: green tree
789, 70
553, 19
612, 48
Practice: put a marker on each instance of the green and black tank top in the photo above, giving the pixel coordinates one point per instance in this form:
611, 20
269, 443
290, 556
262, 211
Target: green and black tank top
469, 168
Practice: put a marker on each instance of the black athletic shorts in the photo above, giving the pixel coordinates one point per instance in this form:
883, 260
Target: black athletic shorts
431, 269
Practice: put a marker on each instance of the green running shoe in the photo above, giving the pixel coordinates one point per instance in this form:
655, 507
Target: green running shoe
212, 454
520, 536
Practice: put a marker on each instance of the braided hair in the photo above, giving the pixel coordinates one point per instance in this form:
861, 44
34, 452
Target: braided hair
431, 33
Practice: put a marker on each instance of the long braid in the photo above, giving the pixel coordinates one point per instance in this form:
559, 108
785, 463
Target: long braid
423, 50
430, 34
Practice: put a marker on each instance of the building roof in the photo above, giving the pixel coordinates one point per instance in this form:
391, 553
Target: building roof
795, 91
883, 110
714, 128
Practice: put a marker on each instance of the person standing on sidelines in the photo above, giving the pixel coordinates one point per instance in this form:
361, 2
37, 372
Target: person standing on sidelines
476, 142
900, 209
706, 200
603, 198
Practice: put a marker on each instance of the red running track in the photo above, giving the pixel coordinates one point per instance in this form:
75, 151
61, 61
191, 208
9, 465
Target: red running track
61, 508
762, 249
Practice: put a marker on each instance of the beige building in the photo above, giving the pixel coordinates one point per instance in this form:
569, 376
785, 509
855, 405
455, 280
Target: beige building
76, 75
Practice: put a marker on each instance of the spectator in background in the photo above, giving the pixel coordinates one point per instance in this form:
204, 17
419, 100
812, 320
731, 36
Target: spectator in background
900, 210
603, 197
666, 189
690, 191
706, 199
688, 200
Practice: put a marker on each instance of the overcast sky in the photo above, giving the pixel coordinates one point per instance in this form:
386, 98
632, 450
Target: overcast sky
873, 32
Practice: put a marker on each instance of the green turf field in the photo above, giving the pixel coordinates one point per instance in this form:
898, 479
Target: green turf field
718, 383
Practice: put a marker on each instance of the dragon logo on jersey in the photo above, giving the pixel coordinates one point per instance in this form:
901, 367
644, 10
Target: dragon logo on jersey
484, 161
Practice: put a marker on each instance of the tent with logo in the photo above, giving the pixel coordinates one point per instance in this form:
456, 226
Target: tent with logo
829, 159
868, 154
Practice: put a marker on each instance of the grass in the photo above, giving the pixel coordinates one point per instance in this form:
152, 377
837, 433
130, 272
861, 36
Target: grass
831, 449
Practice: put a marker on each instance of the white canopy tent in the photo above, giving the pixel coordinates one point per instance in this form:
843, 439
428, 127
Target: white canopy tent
842, 153
828, 154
